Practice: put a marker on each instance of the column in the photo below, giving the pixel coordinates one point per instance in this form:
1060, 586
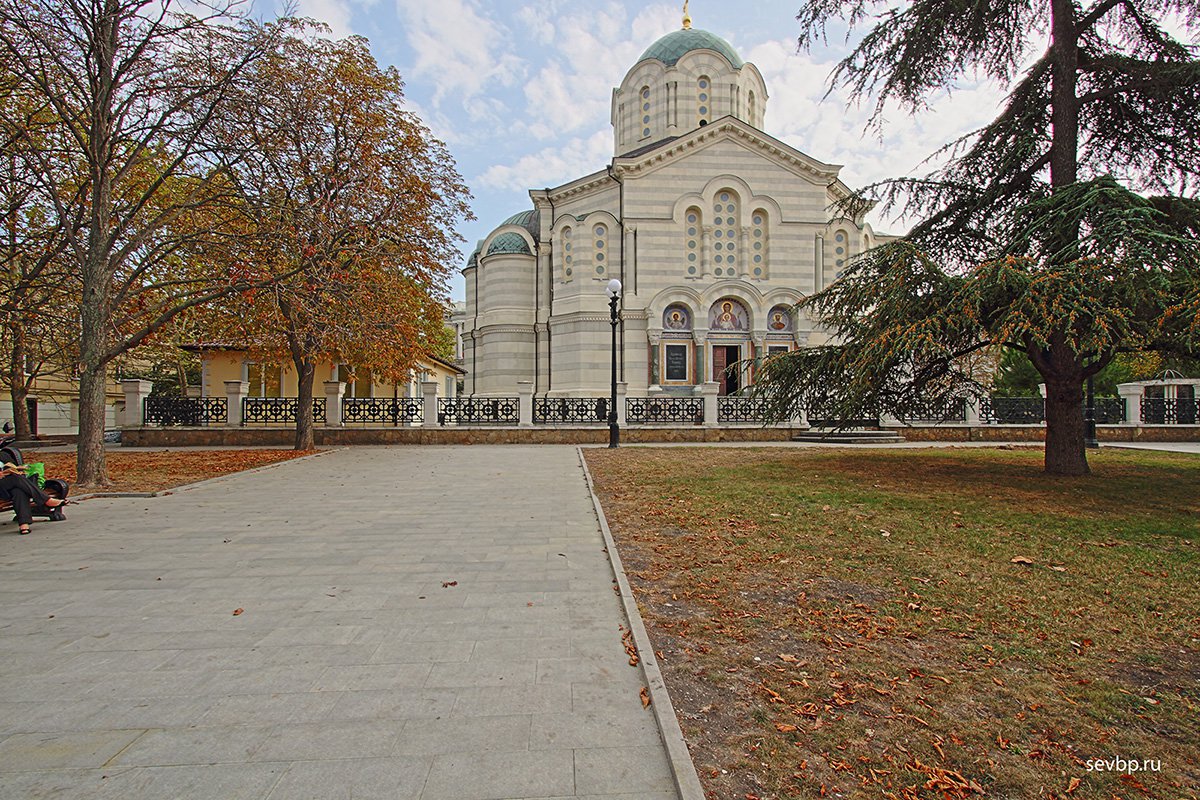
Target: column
622, 391
235, 393
429, 396
700, 365
972, 418
1131, 393
525, 403
334, 390
708, 390
136, 392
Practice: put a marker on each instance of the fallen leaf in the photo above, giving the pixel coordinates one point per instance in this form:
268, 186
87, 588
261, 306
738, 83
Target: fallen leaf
448, 584
784, 727
1072, 785
237, 612
1059, 569
788, 657
645, 695
1021, 560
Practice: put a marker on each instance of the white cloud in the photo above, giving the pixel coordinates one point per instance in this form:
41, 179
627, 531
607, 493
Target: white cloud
553, 165
458, 47
833, 130
334, 13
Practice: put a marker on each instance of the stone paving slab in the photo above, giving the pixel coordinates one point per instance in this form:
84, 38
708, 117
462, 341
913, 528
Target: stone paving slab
425, 622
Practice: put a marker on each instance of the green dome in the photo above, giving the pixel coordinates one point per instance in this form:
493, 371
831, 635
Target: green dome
529, 220
670, 48
508, 243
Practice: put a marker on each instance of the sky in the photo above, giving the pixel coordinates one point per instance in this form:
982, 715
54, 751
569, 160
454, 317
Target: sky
519, 90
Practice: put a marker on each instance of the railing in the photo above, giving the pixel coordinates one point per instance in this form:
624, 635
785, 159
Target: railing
742, 409
278, 410
651, 410
394, 411
1012, 410
1109, 410
479, 411
953, 411
1168, 411
189, 411
569, 410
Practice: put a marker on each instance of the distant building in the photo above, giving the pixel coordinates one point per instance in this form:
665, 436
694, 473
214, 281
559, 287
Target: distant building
714, 228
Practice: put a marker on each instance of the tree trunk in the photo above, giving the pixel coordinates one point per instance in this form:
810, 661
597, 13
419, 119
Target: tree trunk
18, 388
304, 411
91, 467
1066, 452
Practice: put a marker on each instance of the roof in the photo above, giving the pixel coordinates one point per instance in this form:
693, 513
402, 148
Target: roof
508, 243
670, 48
529, 220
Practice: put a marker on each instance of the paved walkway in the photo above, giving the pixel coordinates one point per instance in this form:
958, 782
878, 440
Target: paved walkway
352, 671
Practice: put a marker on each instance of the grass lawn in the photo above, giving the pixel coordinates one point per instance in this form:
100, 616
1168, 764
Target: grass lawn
154, 471
852, 623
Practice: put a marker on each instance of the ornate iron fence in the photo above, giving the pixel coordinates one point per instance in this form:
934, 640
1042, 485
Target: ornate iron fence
649, 410
577, 410
393, 411
742, 409
278, 410
1109, 410
479, 411
190, 411
1012, 410
1168, 411
953, 411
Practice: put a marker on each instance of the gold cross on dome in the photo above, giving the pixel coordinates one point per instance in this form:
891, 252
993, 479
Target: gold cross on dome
687, 18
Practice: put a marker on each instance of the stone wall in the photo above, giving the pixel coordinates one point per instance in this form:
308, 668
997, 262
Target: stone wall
284, 437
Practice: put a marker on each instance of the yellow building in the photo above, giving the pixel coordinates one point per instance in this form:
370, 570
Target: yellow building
220, 363
54, 404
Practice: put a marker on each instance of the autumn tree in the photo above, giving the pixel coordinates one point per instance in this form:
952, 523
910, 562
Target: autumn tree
353, 197
133, 84
1066, 229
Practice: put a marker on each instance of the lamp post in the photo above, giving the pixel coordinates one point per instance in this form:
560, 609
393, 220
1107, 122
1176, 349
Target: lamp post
614, 297
1089, 417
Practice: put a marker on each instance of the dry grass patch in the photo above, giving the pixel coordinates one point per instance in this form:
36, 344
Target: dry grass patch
852, 623
140, 471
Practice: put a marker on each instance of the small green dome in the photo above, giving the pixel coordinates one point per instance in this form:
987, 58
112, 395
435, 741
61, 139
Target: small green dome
508, 243
670, 48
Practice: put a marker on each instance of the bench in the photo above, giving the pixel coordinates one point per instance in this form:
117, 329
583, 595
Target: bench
55, 488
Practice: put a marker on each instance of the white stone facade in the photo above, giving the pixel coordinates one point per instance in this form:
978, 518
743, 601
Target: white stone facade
699, 214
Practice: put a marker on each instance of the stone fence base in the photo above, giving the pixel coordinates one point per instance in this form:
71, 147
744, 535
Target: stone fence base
1037, 433
285, 437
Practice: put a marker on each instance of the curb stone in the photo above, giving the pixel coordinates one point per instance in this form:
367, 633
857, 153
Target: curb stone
683, 770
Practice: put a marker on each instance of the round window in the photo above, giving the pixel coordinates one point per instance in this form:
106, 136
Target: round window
703, 84
725, 197
600, 243
569, 259
599, 256
645, 120
757, 271
758, 234
758, 219
691, 256
691, 270
758, 259
703, 97
841, 250
719, 259
703, 110
841, 237
599, 230
645, 131
645, 106
718, 234
718, 272
599, 270
731, 245
691, 232
646, 93
757, 245
729, 208
568, 270
691, 217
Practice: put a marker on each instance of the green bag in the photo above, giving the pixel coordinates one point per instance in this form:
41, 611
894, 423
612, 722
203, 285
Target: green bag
36, 472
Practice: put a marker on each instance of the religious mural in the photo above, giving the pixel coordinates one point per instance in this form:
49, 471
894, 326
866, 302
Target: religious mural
780, 320
728, 315
677, 318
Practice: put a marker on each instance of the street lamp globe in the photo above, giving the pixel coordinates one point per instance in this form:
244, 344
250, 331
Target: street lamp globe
614, 289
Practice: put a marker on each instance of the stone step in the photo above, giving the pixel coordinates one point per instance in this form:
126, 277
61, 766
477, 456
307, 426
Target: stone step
848, 437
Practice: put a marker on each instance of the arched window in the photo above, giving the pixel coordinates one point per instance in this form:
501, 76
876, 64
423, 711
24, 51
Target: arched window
693, 221
725, 240
566, 258
601, 250
703, 99
841, 252
644, 99
759, 243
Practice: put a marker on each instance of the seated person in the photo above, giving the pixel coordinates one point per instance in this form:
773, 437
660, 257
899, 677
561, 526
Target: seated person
18, 488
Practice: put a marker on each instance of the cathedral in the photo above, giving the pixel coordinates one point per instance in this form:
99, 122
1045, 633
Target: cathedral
714, 228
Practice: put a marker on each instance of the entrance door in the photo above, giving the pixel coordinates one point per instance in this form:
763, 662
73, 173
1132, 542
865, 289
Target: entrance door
725, 356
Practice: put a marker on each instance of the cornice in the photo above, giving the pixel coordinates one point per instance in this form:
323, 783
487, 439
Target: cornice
729, 128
